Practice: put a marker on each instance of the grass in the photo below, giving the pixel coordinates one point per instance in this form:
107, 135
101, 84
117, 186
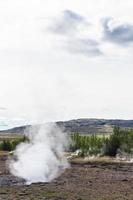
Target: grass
4, 153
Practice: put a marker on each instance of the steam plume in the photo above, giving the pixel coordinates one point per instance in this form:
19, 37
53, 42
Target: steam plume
40, 159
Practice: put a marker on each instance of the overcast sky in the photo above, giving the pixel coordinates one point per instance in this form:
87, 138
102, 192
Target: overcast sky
66, 59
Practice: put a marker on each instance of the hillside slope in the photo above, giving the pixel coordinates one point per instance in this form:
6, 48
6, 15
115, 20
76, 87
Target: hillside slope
82, 126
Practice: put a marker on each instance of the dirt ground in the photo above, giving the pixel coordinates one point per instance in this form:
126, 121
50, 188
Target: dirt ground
82, 181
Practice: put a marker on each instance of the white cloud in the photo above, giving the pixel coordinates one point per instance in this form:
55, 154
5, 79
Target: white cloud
71, 26
121, 34
69, 23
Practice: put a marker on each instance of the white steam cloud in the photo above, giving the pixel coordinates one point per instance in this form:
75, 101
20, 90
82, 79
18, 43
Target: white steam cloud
41, 159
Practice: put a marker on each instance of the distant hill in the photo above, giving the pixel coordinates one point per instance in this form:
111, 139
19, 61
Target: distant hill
82, 126
15, 130
95, 126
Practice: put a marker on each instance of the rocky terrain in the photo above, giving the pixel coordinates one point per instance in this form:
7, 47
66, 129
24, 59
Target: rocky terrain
83, 126
82, 181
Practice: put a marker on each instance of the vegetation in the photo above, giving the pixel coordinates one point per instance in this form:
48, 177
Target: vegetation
10, 145
121, 140
87, 145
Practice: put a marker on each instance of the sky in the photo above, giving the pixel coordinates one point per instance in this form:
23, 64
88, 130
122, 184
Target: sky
65, 59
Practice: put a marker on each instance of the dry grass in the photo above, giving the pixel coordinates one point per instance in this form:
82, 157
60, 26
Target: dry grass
4, 153
10, 137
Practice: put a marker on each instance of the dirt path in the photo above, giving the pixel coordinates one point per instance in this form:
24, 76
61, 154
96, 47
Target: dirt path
92, 181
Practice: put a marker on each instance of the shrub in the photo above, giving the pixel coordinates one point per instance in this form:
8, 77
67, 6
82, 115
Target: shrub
6, 145
121, 139
88, 145
10, 145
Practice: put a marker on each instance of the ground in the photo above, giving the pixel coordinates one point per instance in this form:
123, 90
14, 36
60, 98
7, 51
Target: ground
82, 181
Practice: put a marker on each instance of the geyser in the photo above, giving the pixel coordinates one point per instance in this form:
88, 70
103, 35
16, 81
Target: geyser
41, 159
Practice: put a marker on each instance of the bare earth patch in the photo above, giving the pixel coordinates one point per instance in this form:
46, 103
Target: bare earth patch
82, 181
